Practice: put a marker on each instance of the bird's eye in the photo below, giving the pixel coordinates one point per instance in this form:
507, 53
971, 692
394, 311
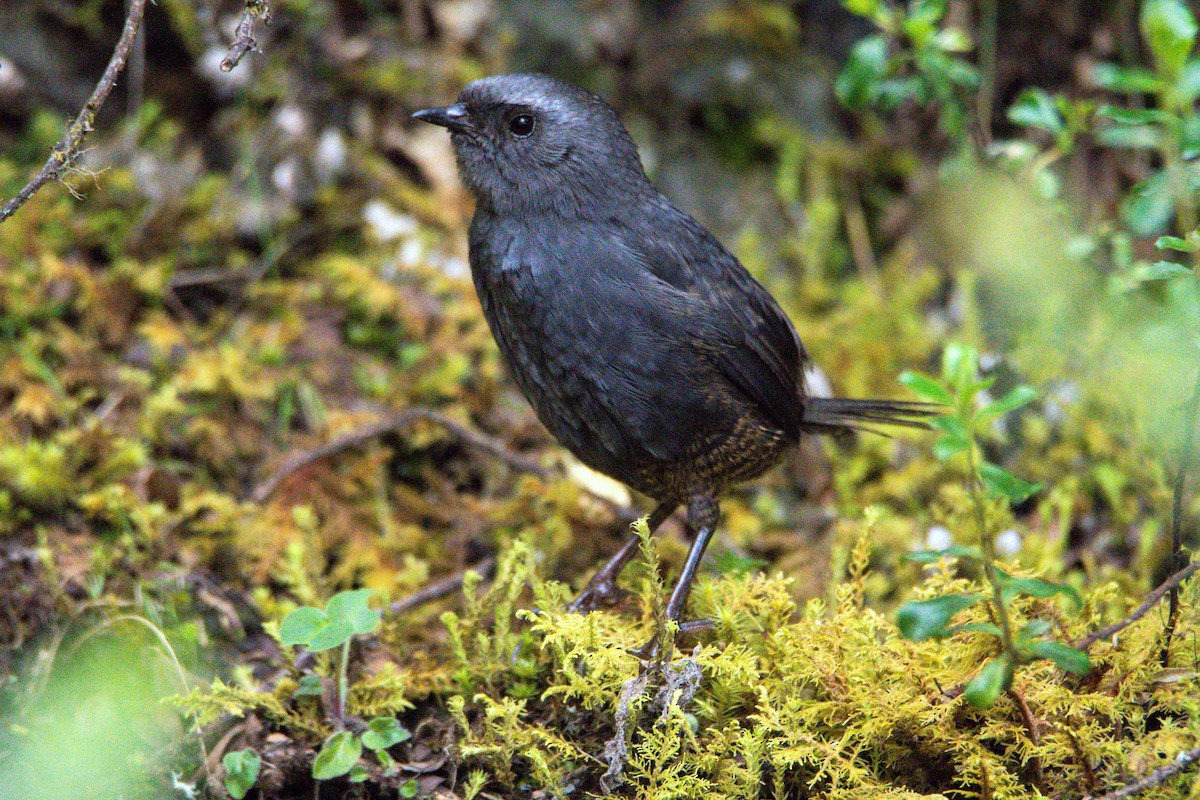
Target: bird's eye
522, 125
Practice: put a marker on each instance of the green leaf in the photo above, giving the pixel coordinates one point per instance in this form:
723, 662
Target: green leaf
351, 607
383, 732
241, 771
961, 73
1132, 137
947, 447
1035, 628
1017, 397
1035, 108
960, 366
308, 686
408, 788
299, 626
387, 762
978, 627
345, 615
1175, 243
863, 8
956, 439
1189, 138
1003, 484
920, 27
1162, 271
1170, 29
334, 633
995, 677
729, 562
1149, 205
1034, 587
895, 92
955, 551
358, 774
337, 756
953, 40
1187, 84
857, 85
1068, 659
922, 619
951, 426
926, 388
1135, 116
1125, 80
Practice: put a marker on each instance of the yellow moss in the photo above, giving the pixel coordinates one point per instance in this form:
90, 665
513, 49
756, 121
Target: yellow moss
829, 701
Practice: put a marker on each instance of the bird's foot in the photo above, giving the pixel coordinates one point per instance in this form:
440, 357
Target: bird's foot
652, 650
601, 592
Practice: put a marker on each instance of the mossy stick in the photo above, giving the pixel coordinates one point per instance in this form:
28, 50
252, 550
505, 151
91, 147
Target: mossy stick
67, 150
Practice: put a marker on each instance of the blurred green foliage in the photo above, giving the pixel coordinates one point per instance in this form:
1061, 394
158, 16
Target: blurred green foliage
261, 267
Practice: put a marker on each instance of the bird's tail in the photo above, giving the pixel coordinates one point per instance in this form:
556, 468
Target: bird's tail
838, 414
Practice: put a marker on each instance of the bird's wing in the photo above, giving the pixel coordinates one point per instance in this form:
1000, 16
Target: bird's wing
739, 327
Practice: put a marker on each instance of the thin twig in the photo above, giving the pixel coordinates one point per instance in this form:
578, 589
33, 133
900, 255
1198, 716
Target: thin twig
440, 588
67, 149
1141, 611
1181, 762
1031, 729
860, 238
243, 36
471, 437
136, 92
1089, 775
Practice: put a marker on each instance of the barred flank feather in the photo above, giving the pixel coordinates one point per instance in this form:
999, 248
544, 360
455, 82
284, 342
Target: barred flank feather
834, 414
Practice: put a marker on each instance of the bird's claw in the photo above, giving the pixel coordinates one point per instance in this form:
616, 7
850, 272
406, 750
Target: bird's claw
602, 593
650, 651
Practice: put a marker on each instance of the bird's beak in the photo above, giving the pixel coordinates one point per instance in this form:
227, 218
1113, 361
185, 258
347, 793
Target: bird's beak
454, 117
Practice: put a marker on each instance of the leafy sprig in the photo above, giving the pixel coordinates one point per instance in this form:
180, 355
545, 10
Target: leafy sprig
962, 389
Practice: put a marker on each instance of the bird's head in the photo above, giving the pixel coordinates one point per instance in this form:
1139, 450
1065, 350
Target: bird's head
532, 143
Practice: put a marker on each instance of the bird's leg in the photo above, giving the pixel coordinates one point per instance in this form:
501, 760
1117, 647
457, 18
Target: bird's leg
702, 518
602, 588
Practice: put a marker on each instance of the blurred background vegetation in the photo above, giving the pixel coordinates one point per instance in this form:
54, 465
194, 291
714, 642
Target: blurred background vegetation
245, 265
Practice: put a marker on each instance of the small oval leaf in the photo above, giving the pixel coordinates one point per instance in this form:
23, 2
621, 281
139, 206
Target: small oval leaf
1012, 585
1003, 484
299, 626
995, 677
923, 619
241, 771
954, 551
383, 732
926, 388
1068, 659
337, 756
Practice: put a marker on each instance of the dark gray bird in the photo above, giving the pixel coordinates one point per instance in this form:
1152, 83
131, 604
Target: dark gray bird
642, 343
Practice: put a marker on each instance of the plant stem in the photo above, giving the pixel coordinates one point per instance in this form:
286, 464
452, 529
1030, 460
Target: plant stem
1172, 155
1178, 558
988, 13
987, 542
343, 681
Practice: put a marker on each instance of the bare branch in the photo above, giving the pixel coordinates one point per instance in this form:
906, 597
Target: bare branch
1181, 762
357, 437
1031, 728
67, 149
243, 36
1139, 612
440, 588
